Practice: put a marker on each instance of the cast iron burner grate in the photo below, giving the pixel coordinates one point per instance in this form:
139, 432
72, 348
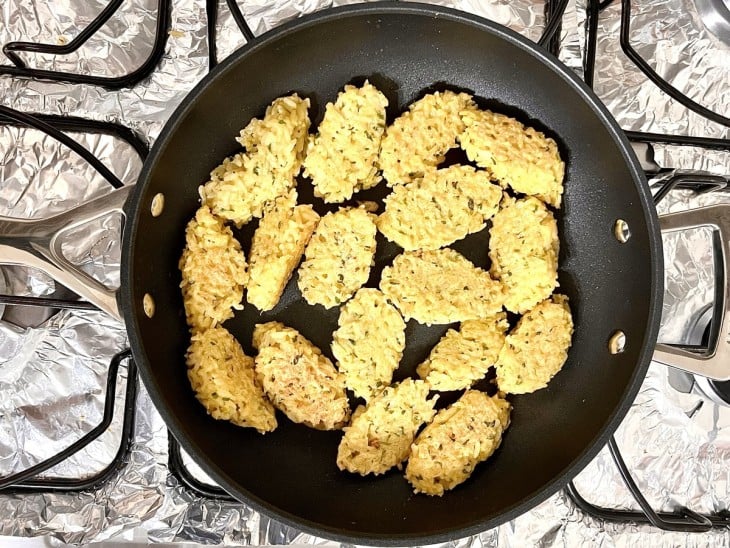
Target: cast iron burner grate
182, 473
682, 519
20, 68
31, 479
211, 10
593, 10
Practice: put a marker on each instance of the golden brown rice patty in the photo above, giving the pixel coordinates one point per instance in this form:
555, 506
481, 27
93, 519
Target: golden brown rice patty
242, 185
214, 271
276, 248
460, 437
442, 207
417, 141
439, 287
343, 157
369, 342
463, 357
523, 247
338, 258
222, 377
518, 156
298, 379
536, 349
380, 434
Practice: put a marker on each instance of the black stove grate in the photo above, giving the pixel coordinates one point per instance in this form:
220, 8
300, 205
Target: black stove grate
701, 183
650, 73
593, 9
30, 479
211, 10
682, 519
176, 465
550, 39
20, 68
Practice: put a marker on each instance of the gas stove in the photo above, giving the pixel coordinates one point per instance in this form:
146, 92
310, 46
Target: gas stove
86, 88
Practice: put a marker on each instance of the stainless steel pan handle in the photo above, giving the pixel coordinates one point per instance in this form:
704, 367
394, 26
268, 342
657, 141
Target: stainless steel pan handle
715, 364
37, 243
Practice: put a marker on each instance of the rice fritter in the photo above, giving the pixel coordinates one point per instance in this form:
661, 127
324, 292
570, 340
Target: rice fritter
523, 247
243, 184
276, 248
342, 157
369, 342
338, 257
298, 379
536, 349
440, 208
440, 287
380, 434
417, 141
463, 357
223, 379
461, 436
214, 271
516, 155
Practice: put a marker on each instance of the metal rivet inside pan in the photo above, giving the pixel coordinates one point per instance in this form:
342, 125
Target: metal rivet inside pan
148, 305
158, 204
621, 231
617, 342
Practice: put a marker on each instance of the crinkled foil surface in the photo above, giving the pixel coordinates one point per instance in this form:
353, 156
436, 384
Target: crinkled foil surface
53, 372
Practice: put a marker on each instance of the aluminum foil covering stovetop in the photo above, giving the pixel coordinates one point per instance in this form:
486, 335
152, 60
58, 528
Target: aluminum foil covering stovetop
52, 376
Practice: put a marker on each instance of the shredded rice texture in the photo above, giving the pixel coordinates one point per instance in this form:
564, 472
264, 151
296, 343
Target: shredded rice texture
338, 258
223, 380
214, 271
342, 157
417, 141
523, 247
461, 436
463, 357
369, 342
298, 379
518, 156
276, 248
440, 287
241, 187
442, 207
380, 434
536, 349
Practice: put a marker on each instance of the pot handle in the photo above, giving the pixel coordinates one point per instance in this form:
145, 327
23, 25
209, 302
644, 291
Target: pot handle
37, 243
715, 363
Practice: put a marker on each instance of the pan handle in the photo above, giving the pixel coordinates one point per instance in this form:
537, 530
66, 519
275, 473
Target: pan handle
37, 243
715, 363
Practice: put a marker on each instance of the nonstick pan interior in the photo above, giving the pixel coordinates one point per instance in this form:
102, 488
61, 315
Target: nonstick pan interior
404, 50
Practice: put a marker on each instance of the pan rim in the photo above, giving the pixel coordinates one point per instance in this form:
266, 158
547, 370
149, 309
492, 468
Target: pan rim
131, 316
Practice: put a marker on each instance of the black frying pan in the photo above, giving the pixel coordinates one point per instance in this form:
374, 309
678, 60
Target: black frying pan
405, 50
